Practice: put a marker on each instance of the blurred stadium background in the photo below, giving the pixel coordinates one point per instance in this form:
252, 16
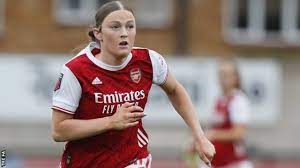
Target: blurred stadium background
37, 37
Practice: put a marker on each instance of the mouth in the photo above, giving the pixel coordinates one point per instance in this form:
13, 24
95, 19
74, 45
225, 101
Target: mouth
124, 44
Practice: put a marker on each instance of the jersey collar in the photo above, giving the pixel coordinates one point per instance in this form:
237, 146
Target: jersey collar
99, 63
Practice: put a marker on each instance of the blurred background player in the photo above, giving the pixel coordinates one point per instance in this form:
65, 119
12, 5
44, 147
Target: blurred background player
100, 97
229, 122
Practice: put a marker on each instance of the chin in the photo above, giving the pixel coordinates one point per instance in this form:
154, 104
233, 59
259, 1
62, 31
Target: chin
124, 53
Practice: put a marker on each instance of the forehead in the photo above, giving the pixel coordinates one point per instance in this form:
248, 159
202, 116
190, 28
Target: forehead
226, 67
119, 16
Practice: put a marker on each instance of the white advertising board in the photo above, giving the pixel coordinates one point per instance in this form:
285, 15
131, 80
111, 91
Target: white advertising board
27, 83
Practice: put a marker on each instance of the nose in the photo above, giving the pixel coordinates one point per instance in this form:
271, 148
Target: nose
124, 32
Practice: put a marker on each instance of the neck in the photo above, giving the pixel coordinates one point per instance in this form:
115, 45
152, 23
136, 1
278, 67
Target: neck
109, 58
228, 92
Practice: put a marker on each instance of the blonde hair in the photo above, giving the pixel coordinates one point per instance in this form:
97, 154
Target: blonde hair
233, 63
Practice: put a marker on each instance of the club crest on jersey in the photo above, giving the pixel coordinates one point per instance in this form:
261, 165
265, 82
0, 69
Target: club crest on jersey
58, 83
135, 75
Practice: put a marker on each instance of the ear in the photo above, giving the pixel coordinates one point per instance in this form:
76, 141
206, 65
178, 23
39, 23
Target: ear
98, 33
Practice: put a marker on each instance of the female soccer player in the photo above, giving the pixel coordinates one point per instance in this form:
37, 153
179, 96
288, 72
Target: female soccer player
99, 99
230, 120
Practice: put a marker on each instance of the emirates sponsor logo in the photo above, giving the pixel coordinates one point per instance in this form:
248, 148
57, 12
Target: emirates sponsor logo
135, 75
117, 97
111, 102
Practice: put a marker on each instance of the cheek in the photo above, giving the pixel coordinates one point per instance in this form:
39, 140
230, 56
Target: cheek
110, 37
132, 35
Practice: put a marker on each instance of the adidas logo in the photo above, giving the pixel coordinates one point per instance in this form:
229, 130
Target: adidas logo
97, 81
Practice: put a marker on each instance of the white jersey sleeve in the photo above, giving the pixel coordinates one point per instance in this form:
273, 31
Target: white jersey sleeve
160, 68
239, 109
67, 92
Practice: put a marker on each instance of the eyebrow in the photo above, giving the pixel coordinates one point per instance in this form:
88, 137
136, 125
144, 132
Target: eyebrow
129, 21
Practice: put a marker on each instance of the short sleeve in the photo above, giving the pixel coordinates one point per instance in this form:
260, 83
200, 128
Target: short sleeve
240, 109
160, 68
67, 92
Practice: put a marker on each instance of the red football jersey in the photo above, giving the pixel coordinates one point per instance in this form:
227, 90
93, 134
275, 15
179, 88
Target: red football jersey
89, 88
230, 110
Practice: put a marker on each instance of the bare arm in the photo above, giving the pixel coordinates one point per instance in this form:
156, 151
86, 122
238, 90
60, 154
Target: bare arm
237, 132
65, 128
183, 105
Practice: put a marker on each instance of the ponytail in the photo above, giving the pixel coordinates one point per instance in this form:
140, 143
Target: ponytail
92, 36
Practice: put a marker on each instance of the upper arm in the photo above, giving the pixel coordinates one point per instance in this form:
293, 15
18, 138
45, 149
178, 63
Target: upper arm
58, 116
170, 84
66, 98
67, 92
161, 73
159, 68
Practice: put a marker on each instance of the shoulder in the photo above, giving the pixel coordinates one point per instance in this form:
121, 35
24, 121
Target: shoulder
147, 55
240, 108
77, 61
239, 102
145, 51
140, 52
155, 57
240, 97
219, 100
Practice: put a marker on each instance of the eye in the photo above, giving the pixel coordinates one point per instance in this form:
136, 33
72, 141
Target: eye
115, 27
130, 26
